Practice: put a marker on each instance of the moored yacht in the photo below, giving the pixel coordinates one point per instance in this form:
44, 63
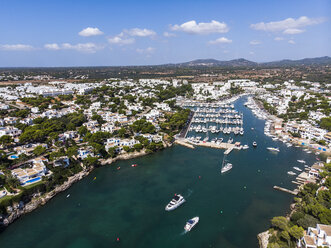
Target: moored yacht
291, 173
175, 202
301, 161
273, 149
297, 168
254, 144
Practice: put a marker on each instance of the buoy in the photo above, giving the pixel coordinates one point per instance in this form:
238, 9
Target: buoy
118, 168
199, 177
244, 187
221, 211
94, 178
258, 170
118, 239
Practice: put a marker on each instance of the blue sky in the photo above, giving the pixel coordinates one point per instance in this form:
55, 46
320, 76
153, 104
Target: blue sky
144, 32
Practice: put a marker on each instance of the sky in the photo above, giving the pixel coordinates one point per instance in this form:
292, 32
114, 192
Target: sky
123, 32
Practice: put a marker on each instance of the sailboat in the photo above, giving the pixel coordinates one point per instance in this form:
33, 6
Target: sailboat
225, 165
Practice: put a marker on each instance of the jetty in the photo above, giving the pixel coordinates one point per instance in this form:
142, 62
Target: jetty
293, 192
184, 143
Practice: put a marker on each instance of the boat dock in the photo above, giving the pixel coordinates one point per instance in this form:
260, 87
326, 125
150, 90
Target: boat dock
184, 143
293, 192
228, 150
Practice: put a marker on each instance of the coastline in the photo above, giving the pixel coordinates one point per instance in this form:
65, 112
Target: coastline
20, 209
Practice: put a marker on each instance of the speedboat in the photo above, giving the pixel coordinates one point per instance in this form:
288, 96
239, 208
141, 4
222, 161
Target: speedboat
226, 168
191, 223
175, 202
254, 144
301, 161
297, 168
241, 132
245, 147
291, 173
273, 149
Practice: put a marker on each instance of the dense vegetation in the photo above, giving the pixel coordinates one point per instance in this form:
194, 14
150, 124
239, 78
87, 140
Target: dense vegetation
311, 207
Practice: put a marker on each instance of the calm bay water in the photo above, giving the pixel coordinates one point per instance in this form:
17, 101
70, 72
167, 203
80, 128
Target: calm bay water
129, 203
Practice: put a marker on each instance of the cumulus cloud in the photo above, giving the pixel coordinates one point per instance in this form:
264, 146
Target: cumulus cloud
90, 32
255, 42
192, 27
221, 40
278, 38
80, 47
148, 50
52, 46
16, 47
168, 34
288, 26
139, 32
291, 41
119, 40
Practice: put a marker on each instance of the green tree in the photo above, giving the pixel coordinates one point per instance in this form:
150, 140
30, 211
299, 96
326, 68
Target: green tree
296, 232
6, 140
280, 222
38, 150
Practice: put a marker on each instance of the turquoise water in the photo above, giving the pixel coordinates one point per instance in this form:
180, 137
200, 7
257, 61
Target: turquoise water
32, 180
129, 203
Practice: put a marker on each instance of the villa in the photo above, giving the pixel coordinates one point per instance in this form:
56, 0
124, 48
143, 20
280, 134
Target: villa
316, 237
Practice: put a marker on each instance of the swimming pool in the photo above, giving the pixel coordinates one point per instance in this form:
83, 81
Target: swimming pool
32, 180
13, 157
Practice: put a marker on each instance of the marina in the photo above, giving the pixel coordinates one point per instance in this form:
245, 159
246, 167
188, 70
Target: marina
116, 203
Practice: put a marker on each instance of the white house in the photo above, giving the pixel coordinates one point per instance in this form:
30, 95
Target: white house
316, 237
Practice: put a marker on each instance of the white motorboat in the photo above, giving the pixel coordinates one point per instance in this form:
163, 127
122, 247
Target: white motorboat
175, 202
254, 144
297, 168
273, 149
191, 223
301, 161
291, 173
245, 147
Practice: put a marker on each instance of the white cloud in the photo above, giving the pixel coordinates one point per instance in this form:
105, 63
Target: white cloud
168, 34
291, 41
90, 32
293, 31
251, 53
255, 42
279, 38
192, 27
139, 32
148, 50
288, 26
221, 40
118, 40
52, 46
16, 47
80, 47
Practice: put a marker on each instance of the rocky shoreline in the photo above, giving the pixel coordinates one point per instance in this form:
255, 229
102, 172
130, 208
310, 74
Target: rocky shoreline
263, 239
20, 209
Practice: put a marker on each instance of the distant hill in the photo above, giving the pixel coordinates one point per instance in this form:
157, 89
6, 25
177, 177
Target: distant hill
246, 63
213, 62
307, 61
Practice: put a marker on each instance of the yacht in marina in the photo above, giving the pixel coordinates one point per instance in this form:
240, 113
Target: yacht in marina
245, 147
175, 202
301, 161
225, 165
273, 149
191, 223
291, 173
297, 168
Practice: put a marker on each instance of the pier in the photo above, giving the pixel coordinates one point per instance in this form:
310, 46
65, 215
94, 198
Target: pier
293, 192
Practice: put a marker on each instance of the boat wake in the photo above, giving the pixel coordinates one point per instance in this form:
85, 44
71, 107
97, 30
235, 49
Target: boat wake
189, 193
183, 232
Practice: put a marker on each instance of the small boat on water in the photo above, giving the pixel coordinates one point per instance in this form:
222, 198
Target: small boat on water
291, 173
225, 166
134, 165
254, 144
301, 161
191, 223
175, 202
297, 168
245, 147
273, 149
